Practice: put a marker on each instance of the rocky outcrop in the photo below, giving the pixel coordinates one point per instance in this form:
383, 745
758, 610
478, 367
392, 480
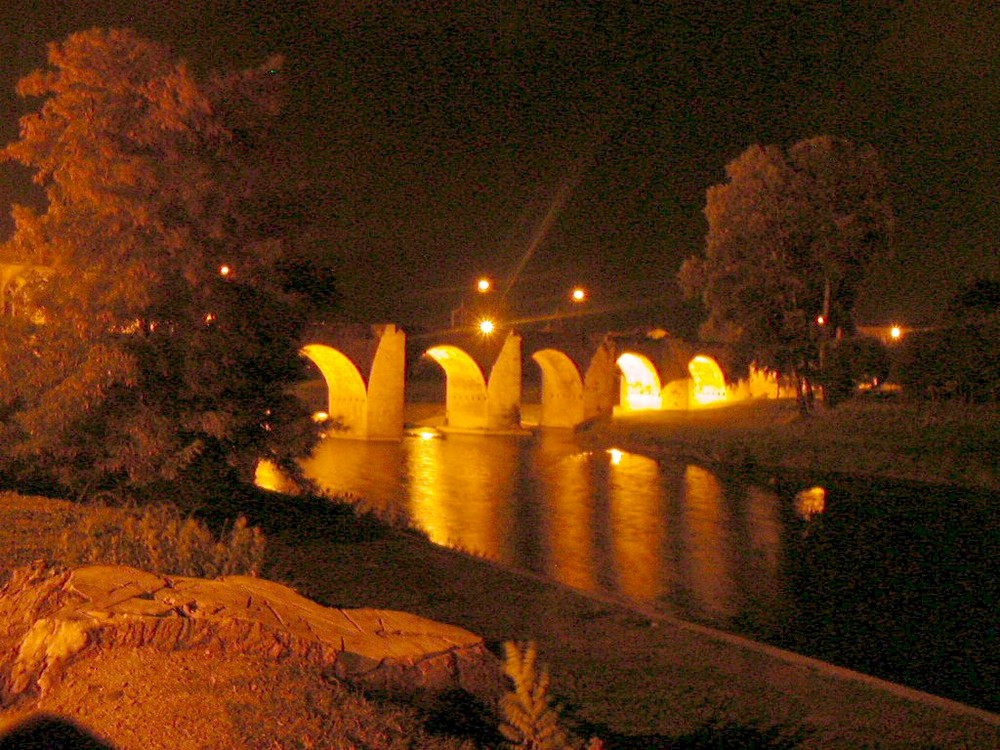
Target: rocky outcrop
51, 618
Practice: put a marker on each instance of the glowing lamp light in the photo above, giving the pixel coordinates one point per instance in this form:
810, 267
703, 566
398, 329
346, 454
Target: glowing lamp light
484, 285
225, 270
579, 295
895, 333
616, 456
821, 320
486, 327
320, 416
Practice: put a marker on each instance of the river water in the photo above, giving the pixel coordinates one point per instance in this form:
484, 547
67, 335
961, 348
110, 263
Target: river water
892, 580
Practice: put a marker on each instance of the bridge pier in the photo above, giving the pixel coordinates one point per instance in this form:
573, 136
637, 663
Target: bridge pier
568, 399
371, 410
474, 403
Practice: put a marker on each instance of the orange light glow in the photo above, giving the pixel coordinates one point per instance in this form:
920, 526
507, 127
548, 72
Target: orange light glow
810, 503
484, 285
486, 327
709, 383
571, 557
269, 476
638, 528
579, 294
895, 333
225, 270
640, 384
821, 320
465, 390
346, 393
438, 352
703, 524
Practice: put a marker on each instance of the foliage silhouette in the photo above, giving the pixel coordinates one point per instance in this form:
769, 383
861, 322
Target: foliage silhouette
790, 238
151, 346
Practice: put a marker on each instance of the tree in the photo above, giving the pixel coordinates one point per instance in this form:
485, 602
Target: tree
790, 236
170, 318
960, 356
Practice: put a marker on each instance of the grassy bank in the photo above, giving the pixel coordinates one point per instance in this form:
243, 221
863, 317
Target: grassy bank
939, 443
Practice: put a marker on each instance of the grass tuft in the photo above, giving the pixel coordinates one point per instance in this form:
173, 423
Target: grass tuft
158, 539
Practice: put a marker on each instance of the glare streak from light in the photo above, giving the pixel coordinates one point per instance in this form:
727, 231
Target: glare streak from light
562, 195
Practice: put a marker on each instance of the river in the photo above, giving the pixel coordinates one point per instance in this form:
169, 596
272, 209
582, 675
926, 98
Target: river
898, 581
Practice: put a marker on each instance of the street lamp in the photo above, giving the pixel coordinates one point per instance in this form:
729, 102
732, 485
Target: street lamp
556, 319
895, 333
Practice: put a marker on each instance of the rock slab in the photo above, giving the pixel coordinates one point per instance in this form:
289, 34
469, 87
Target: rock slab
50, 618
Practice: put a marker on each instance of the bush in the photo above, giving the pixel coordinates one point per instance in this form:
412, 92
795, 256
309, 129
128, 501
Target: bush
160, 540
852, 362
530, 720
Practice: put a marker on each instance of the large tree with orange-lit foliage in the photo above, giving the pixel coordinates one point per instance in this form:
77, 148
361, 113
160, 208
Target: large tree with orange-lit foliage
160, 326
790, 238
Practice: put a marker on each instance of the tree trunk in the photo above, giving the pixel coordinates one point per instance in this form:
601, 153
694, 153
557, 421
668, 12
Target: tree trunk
804, 396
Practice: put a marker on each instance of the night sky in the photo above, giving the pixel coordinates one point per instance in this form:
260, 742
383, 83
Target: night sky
550, 144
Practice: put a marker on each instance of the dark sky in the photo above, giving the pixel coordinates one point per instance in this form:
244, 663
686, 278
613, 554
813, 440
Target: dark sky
572, 142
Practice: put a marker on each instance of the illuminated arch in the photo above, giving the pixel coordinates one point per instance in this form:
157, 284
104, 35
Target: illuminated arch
347, 395
465, 390
709, 382
640, 388
562, 389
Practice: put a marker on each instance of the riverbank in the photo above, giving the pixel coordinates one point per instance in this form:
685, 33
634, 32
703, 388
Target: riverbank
937, 443
639, 680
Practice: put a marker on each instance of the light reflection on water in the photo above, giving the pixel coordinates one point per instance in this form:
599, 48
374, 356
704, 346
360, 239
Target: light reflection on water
861, 576
705, 533
638, 527
661, 534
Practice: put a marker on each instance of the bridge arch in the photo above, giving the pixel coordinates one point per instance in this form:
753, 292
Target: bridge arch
347, 395
562, 389
367, 408
475, 402
708, 382
465, 389
640, 383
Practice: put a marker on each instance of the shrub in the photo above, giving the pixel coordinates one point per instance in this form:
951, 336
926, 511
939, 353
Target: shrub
851, 362
530, 720
158, 539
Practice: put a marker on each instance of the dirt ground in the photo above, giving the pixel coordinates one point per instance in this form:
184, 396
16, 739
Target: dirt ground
144, 699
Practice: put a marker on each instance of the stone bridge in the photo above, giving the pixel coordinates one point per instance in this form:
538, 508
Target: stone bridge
582, 377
